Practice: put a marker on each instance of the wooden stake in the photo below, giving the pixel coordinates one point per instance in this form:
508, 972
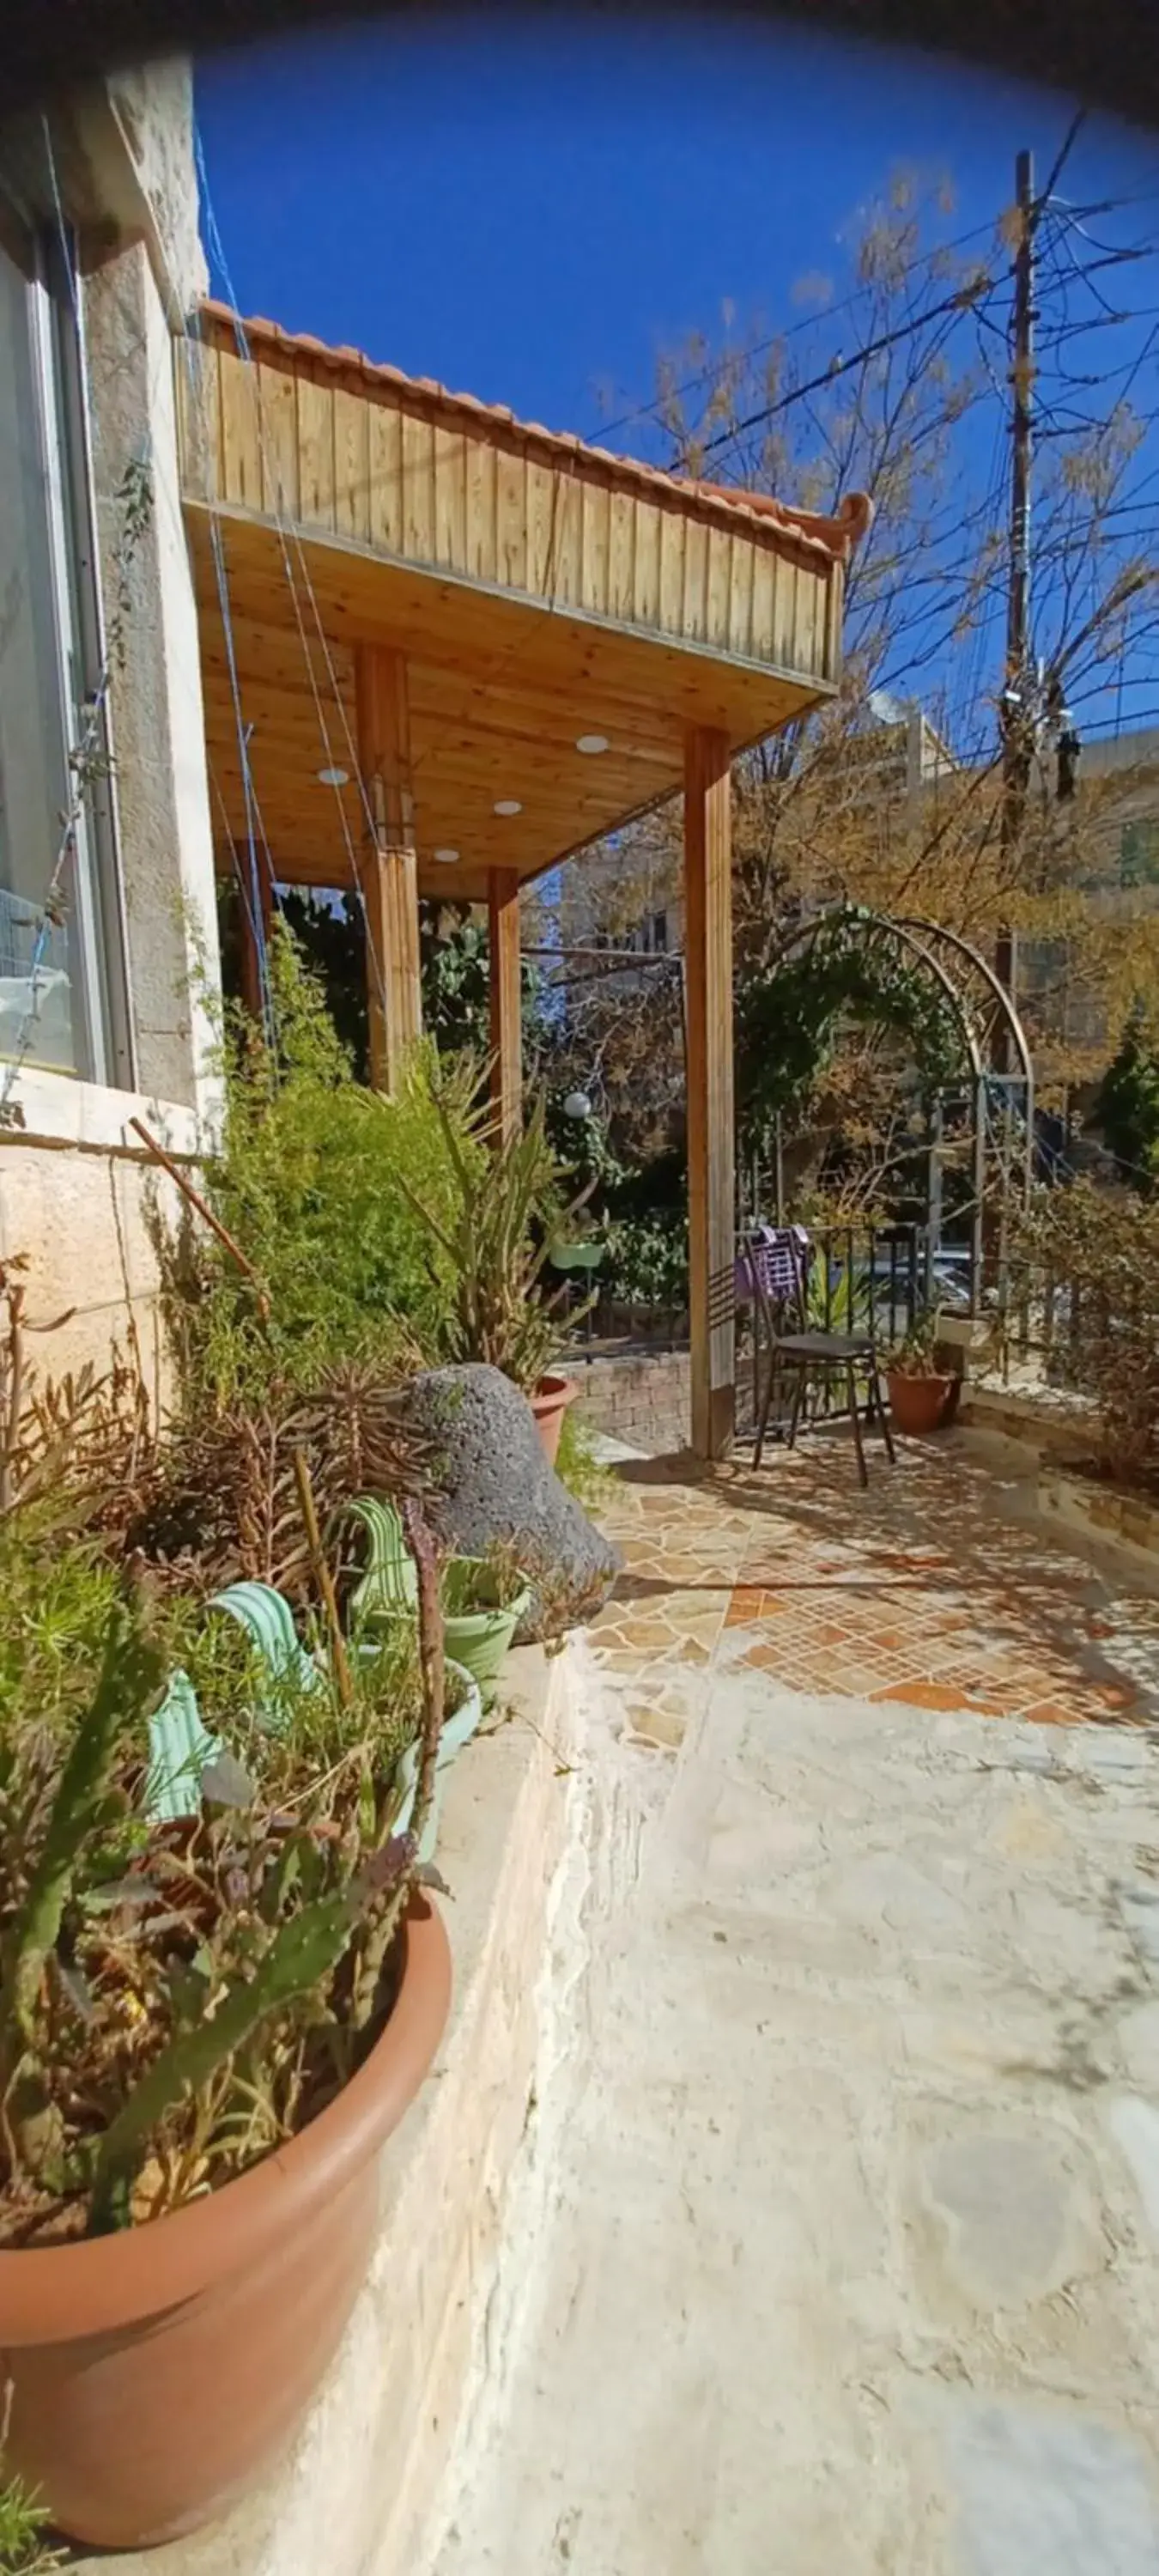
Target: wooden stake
506, 997
323, 1577
708, 1006
185, 1185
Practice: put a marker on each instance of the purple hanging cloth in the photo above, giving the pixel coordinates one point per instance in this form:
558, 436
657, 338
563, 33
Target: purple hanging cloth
782, 1253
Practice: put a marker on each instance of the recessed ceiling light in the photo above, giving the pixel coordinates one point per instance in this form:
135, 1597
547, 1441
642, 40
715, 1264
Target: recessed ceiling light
446, 858
592, 742
508, 805
334, 778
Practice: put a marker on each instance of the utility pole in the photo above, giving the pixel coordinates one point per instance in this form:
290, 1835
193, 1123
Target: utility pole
1017, 709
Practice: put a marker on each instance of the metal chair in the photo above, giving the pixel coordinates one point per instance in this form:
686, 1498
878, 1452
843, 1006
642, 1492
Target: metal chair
780, 1291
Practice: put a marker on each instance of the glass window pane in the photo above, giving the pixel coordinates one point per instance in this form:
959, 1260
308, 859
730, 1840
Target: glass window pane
37, 969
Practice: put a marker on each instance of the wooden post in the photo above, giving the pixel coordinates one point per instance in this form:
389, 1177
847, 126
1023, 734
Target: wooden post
251, 869
506, 999
390, 867
708, 984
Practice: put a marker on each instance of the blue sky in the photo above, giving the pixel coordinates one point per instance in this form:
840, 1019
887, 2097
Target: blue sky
531, 209
534, 208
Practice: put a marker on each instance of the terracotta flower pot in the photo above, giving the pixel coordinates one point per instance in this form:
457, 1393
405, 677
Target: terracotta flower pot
918, 1404
153, 2374
549, 1404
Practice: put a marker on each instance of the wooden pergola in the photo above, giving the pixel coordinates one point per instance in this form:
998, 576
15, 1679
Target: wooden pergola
443, 650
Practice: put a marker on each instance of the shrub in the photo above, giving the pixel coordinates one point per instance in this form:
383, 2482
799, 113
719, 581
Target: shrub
1127, 1109
507, 1212
1100, 1250
577, 1465
647, 1260
317, 1181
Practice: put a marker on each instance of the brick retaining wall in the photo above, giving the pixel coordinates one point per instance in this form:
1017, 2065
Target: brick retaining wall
640, 1397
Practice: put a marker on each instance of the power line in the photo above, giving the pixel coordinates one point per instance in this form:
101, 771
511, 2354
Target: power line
789, 331
960, 302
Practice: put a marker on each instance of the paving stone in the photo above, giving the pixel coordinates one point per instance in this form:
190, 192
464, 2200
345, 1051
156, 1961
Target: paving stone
1135, 2125
1051, 2494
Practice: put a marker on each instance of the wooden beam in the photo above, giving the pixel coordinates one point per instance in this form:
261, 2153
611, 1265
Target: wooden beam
506, 998
251, 952
390, 865
708, 1013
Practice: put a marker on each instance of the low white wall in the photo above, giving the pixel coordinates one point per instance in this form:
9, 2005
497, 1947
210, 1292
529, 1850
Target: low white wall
355, 2495
79, 1199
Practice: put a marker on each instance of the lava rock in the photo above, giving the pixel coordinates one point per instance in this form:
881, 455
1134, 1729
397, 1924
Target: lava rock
491, 1485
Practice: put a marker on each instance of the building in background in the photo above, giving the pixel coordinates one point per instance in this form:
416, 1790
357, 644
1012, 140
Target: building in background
1104, 846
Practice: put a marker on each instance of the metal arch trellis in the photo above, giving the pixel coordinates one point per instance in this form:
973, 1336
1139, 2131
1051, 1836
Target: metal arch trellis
997, 1064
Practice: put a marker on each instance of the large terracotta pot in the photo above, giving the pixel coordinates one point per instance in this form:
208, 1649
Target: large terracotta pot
153, 2374
919, 1404
549, 1404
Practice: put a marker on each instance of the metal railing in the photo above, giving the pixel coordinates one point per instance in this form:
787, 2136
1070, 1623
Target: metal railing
862, 1277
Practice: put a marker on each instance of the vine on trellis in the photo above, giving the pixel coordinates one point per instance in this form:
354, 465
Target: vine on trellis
855, 964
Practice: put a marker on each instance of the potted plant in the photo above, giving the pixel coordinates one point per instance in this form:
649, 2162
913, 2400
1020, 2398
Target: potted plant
483, 1601
208, 2026
509, 1222
919, 1391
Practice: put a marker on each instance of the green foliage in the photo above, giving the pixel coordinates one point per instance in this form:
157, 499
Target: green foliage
1098, 1250
318, 1182
121, 1935
1139, 851
915, 1354
454, 953
1127, 1109
474, 1584
507, 1210
57, 1595
187, 1987
453, 957
299, 1957
24, 2550
577, 1465
831, 1305
646, 1263
788, 1021
130, 1675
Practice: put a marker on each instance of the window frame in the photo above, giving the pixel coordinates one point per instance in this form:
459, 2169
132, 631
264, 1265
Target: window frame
48, 265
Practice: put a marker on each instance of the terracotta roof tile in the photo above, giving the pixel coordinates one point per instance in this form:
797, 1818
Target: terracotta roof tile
804, 531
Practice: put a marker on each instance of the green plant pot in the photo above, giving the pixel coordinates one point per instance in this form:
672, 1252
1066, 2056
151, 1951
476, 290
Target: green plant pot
479, 1636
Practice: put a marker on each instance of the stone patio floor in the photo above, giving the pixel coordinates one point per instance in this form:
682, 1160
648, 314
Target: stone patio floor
833, 2244
931, 1589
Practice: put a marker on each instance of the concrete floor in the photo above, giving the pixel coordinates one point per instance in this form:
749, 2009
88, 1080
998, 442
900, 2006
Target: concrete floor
835, 2245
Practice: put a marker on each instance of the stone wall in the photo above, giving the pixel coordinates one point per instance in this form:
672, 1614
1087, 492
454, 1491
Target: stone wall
78, 1196
153, 105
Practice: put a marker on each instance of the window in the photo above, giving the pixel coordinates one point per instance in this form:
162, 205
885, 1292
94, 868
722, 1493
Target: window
1139, 851
53, 992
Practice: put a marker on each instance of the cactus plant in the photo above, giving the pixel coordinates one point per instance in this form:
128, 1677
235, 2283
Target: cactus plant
300, 1956
177, 1881
131, 1671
